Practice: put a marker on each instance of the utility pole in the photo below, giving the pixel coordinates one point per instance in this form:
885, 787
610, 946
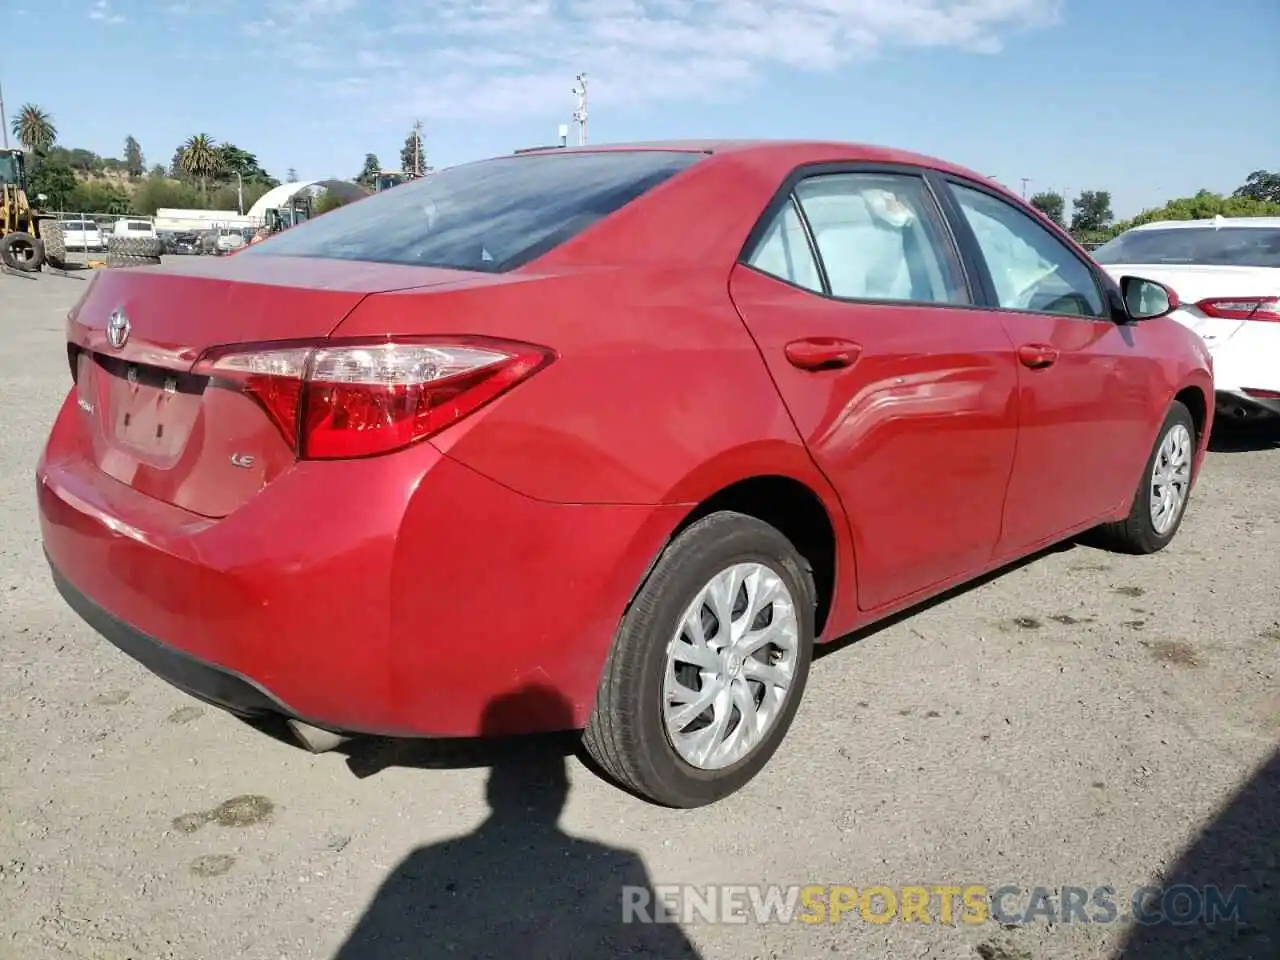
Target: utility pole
4, 121
417, 148
580, 114
1025, 181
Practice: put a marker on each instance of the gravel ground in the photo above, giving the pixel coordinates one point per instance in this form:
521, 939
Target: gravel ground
1081, 720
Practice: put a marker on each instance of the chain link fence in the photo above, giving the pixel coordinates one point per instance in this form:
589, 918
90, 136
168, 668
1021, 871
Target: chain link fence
82, 239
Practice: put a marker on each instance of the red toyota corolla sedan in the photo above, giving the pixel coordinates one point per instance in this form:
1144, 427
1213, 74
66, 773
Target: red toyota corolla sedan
634, 426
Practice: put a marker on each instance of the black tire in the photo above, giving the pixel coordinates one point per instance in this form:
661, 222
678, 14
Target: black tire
626, 734
55, 244
21, 251
148, 247
1137, 533
126, 260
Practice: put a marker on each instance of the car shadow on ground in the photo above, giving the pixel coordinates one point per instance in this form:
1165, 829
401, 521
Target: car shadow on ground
1235, 436
1237, 854
849, 639
518, 885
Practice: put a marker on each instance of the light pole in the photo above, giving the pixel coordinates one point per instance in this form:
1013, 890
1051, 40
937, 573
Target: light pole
580, 115
239, 193
1025, 181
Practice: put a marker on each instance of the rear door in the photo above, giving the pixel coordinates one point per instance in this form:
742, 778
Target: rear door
1085, 384
904, 394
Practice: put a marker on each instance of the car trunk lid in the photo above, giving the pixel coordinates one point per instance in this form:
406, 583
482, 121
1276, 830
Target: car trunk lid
153, 421
1194, 283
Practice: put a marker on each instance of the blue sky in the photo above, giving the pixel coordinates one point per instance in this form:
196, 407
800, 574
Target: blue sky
1146, 98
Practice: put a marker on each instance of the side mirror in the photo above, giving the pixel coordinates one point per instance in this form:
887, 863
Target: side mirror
1146, 299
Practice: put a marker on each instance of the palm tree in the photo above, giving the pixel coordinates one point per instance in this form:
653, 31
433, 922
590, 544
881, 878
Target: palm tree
34, 128
201, 160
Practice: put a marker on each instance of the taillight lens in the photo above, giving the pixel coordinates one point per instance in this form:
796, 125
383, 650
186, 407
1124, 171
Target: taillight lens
1241, 308
339, 400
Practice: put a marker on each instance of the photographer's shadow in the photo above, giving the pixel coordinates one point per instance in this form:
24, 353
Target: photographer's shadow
518, 886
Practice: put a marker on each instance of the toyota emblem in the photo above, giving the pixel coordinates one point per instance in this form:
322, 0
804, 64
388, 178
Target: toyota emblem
117, 329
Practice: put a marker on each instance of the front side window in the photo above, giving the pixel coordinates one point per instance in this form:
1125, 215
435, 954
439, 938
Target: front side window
1031, 268
880, 237
492, 215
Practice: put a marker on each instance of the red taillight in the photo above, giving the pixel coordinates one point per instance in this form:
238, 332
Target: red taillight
1259, 394
1241, 308
336, 400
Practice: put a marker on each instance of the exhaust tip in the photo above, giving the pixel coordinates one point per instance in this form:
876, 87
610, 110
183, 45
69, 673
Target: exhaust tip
315, 739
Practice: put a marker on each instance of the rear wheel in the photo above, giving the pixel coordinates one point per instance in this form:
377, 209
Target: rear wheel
1160, 501
708, 665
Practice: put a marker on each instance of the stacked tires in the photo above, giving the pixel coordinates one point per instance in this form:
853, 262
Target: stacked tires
55, 244
132, 251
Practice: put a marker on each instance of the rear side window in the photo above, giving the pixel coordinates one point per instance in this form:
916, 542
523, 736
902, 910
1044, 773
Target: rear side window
490, 216
784, 251
880, 237
139, 226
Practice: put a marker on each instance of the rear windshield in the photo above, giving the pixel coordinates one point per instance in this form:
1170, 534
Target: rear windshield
491, 216
1204, 246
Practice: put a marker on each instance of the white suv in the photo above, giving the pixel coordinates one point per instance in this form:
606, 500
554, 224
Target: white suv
81, 235
134, 228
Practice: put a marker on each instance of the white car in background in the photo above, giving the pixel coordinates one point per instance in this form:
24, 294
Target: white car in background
1226, 273
134, 228
82, 235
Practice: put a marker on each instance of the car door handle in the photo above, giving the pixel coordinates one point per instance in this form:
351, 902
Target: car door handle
822, 353
1037, 355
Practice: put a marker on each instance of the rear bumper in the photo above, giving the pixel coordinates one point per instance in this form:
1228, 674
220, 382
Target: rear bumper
1238, 404
399, 596
206, 681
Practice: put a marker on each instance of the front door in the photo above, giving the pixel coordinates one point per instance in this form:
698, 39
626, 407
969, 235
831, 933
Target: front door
1084, 408
904, 394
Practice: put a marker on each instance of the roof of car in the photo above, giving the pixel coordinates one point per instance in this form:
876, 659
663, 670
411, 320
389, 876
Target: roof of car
1271, 223
791, 152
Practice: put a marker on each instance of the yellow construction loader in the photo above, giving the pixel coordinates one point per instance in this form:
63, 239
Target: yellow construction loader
27, 240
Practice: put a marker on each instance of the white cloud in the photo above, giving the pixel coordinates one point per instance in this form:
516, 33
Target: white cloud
501, 58
101, 11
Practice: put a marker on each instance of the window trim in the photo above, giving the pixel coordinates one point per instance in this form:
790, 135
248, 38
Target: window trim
786, 194
972, 251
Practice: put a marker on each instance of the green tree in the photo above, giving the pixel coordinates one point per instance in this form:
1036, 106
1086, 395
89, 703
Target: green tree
1203, 206
292, 175
368, 175
227, 196
93, 196
1051, 205
201, 160
34, 128
154, 193
158, 172
1092, 212
1262, 185
133, 161
413, 155
55, 180
329, 201
84, 161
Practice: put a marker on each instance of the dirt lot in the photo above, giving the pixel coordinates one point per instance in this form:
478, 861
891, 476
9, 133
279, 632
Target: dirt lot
1083, 720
